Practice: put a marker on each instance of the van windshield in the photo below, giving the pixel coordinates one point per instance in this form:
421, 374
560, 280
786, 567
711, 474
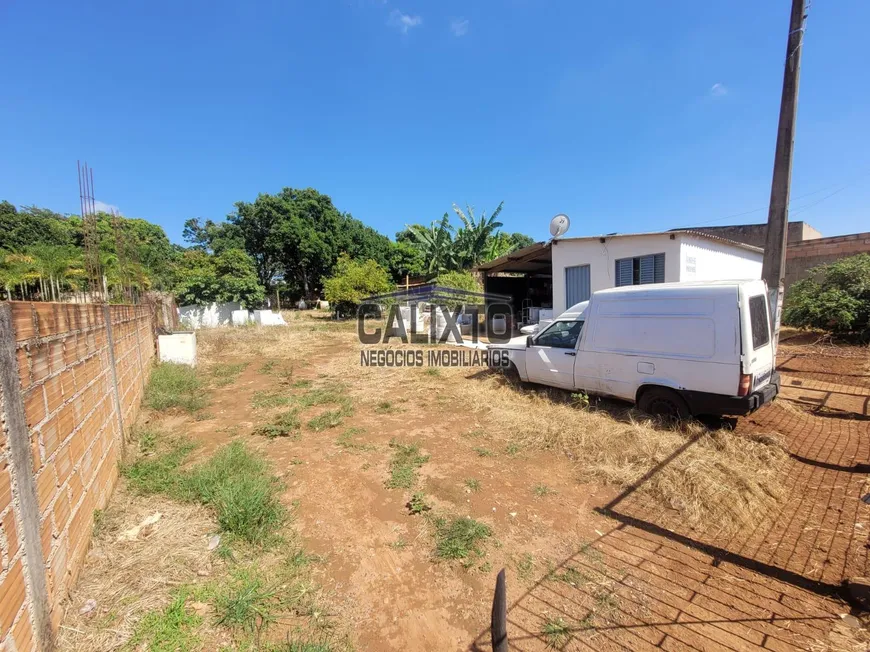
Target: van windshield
561, 335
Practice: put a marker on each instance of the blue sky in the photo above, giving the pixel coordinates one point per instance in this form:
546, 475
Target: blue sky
627, 116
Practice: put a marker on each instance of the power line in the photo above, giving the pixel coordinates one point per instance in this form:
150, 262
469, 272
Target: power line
791, 202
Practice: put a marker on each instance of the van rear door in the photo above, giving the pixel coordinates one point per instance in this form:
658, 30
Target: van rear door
757, 344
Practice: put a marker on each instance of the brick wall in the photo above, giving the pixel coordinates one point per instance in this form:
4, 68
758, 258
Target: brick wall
15, 614
75, 421
803, 256
756, 234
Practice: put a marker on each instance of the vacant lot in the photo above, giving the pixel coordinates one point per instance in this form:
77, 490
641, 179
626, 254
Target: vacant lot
370, 509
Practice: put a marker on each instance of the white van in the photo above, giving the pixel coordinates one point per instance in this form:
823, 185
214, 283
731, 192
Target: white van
675, 349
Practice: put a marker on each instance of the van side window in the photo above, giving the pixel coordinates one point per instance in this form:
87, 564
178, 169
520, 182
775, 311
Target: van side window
758, 321
561, 335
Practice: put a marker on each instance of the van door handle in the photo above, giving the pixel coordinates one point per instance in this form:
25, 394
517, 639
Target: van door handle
570, 353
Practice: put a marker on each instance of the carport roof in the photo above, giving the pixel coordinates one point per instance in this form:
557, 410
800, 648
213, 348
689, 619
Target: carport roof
534, 258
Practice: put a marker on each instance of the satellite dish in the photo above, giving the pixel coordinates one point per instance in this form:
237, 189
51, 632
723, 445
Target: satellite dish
559, 225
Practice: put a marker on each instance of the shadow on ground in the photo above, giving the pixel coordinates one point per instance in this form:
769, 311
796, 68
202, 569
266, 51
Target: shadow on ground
651, 582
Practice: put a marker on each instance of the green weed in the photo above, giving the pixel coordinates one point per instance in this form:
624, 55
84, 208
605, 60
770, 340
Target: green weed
398, 544
556, 632
460, 538
325, 395
385, 407
472, 484
580, 400
238, 486
284, 425
225, 373
247, 602
327, 420
403, 467
175, 386
569, 576
99, 522
525, 566
158, 472
483, 452
301, 384
541, 490
432, 371
418, 504
168, 630
267, 400
234, 482
345, 440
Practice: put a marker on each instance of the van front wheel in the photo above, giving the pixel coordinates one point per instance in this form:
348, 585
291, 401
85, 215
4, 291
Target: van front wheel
663, 402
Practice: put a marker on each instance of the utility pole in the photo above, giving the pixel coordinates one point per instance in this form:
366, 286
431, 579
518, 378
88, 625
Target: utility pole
773, 267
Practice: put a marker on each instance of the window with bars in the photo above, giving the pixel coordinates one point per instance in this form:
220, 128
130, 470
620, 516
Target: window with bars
640, 270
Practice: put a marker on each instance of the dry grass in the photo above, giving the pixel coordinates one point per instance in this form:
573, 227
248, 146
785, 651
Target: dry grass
128, 579
721, 479
304, 333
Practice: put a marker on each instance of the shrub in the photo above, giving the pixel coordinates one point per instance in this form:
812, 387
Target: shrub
835, 297
459, 281
352, 281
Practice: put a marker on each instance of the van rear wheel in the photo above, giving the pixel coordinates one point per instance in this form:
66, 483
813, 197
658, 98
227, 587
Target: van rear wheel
663, 402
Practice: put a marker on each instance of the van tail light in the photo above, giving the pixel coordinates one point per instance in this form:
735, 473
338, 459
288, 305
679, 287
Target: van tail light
745, 384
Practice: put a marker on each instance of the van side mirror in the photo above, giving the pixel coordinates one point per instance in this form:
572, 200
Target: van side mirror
529, 341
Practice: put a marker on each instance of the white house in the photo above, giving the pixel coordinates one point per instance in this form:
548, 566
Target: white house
561, 273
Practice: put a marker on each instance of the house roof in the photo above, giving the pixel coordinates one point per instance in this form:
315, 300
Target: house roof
692, 232
538, 257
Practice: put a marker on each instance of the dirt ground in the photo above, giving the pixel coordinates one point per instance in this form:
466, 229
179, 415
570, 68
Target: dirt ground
590, 565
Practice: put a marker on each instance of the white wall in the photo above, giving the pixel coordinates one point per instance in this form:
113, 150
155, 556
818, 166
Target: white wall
209, 316
601, 260
707, 260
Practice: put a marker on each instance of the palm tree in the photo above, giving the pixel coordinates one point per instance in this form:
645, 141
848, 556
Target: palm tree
19, 271
472, 237
435, 244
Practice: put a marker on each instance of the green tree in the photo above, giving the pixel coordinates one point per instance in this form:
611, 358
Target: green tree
407, 234
352, 281
204, 278
436, 245
298, 234
406, 259
474, 234
20, 229
260, 224
212, 236
835, 297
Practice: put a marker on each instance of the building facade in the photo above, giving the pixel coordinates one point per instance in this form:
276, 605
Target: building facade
581, 266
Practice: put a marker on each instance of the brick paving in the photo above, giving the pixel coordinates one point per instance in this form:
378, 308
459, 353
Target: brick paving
775, 586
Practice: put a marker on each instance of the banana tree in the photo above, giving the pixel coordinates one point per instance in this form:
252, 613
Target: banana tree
436, 244
471, 242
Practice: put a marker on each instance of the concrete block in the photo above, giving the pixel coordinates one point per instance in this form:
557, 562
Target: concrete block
241, 317
178, 347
